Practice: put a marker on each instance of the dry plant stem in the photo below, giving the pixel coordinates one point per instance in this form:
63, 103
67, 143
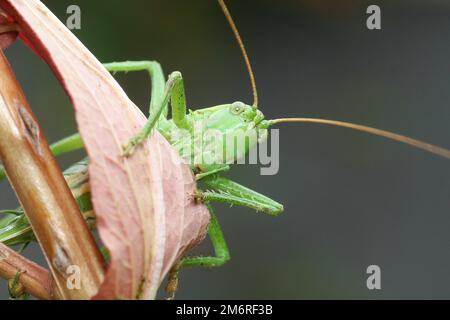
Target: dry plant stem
36, 280
44, 194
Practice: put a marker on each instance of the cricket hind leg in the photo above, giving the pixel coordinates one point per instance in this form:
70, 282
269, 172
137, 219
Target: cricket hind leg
222, 255
224, 190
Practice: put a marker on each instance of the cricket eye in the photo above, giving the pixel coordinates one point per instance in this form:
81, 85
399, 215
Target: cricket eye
237, 108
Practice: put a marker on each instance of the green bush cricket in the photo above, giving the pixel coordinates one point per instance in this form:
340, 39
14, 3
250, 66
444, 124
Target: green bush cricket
226, 118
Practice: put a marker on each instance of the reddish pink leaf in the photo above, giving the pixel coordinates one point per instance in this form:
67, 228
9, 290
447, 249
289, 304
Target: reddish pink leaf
7, 33
146, 215
196, 216
183, 231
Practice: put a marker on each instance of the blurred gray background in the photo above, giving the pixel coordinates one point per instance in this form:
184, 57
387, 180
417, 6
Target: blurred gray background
351, 200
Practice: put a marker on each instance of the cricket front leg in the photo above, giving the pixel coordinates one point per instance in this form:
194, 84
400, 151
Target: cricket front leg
174, 92
156, 75
222, 255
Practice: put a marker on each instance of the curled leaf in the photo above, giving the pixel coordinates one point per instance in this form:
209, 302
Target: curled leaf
146, 214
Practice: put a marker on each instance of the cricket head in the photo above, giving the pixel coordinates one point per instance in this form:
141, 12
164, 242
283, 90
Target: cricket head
236, 124
238, 117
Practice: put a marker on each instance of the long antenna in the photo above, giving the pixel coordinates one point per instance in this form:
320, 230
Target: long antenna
382, 133
235, 30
